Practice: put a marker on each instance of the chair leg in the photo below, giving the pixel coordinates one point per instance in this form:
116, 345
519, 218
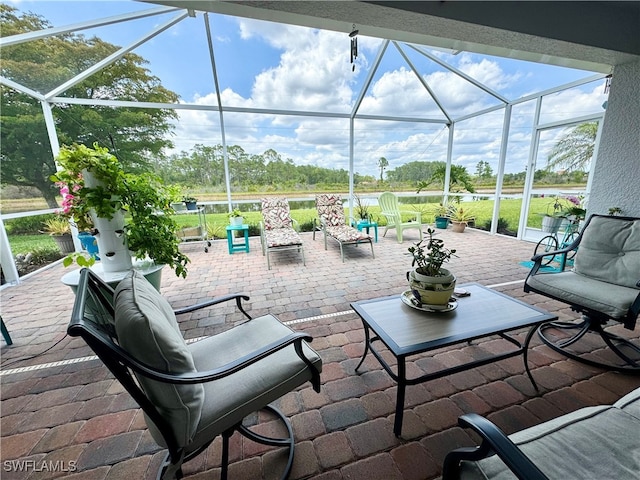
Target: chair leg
615, 343
288, 441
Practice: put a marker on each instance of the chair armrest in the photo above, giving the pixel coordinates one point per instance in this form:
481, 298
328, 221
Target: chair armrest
215, 301
190, 378
493, 441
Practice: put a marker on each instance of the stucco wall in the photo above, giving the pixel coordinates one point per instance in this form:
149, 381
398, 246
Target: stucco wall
616, 176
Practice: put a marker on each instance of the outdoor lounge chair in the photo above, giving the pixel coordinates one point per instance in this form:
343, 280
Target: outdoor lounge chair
333, 224
390, 208
191, 393
604, 286
276, 229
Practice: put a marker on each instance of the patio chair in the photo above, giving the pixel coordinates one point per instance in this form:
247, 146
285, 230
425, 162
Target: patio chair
191, 393
277, 231
604, 286
333, 224
390, 208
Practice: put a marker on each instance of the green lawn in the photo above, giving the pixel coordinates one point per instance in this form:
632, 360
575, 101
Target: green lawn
216, 222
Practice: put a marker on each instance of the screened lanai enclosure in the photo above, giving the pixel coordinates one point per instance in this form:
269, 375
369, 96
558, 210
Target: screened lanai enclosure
223, 89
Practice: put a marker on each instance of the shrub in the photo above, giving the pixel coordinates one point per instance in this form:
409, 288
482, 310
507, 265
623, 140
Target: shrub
27, 225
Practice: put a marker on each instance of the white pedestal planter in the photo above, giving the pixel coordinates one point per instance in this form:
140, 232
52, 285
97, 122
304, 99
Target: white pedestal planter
112, 246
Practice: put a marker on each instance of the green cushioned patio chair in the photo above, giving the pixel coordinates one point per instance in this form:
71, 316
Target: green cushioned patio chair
191, 393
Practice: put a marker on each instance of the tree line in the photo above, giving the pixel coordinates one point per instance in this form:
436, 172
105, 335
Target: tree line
140, 137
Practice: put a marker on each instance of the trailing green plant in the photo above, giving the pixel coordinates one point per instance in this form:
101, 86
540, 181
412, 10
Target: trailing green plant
429, 254
149, 232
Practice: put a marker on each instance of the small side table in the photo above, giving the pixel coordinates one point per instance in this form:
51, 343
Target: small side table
238, 246
367, 225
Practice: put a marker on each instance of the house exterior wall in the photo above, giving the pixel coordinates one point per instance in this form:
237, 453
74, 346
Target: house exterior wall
616, 176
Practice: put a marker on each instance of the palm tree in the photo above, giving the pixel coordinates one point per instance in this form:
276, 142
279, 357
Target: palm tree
382, 164
574, 150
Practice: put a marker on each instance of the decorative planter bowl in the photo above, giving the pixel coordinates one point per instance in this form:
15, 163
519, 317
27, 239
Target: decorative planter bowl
430, 290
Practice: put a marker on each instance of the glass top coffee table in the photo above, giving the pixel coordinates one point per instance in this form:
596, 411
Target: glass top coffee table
406, 331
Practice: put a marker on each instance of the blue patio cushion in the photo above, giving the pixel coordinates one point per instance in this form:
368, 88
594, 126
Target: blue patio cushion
147, 328
610, 251
593, 442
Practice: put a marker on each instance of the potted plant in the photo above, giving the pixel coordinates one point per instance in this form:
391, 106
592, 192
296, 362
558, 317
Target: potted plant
554, 216
235, 217
430, 283
190, 202
614, 211
362, 211
441, 214
129, 214
60, 230
460, 217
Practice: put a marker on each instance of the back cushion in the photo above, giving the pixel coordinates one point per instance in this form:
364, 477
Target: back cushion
610, 251
275, 212
330, 209
147, 328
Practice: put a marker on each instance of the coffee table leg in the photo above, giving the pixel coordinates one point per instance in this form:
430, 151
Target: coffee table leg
402, 386
525, 351
366, 345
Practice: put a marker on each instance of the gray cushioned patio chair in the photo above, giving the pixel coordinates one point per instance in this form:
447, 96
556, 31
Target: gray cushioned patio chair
599, 442
603, 285
191, 393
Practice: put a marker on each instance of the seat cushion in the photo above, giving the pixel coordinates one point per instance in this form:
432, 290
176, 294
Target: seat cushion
610, 251
147, 329
275, 212
578, 289
230, 399
347, 234
593, 442
282, 237
630, 403
330, 209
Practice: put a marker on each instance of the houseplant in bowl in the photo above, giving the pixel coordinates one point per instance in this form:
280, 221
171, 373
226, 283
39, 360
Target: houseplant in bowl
430, 283
460, 217
129, 214
60, 230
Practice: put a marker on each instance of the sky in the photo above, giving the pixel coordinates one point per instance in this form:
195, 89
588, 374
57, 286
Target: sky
264, 65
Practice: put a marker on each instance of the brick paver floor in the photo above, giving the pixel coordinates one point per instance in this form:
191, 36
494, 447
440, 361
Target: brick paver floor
64, 415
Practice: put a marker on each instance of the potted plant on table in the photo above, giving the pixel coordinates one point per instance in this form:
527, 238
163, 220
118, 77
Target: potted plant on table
129, 214
460, 217
362, 211
60, 230
235, 217
190, 202
430, 283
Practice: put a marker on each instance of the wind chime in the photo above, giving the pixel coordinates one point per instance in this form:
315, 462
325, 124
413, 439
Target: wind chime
354, 46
